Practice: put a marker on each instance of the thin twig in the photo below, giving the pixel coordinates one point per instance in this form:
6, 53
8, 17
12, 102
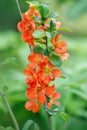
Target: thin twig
30, 48
10, 111
46, 42
19, 8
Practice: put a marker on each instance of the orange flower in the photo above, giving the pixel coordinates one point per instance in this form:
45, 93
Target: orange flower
33, 12
32, 76
60, 47
35, 58
58, 24
27, 25
44, 68
53, 100
32, 106
40, 72
39, 92
27, 37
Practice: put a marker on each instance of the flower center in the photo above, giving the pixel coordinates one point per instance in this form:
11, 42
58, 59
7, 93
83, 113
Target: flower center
47, 71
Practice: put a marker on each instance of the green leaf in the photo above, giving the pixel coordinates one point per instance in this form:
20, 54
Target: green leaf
54, 33
6, 128
65, 29
50, 112
11, 60
46, 52
64, 116
38, 50
48, 34
44, 10
55, 60
53, 110
63, 77
35, 3
52, 25
30, 125
43, 46
37, 19
39, 34
52, 15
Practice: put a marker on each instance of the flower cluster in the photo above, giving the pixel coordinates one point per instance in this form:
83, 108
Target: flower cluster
40, 72
60, 47
41, 31
28, 25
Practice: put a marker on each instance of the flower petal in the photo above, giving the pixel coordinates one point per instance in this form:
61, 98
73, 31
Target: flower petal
36, 107
56, 95
41, 97
31, 93
50, 90
56, 73
29, 105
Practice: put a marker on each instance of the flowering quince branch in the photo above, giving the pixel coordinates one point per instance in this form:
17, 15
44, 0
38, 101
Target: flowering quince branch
10, 111
40, 31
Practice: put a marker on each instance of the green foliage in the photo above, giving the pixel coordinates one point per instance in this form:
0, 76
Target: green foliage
48, 34
41, 50
65, 29
38, 50
6, 128
63, 77
44, 11
53, 15
35, 3
64, 116
39, 34
53, 110
46, 52
30, 125
55, 60
52, 25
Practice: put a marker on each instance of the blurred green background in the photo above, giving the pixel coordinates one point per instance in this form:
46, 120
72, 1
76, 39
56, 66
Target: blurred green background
13, 60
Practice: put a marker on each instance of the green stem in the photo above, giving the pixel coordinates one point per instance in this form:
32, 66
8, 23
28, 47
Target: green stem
46, 42
31, 50
10, 111
49, 118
